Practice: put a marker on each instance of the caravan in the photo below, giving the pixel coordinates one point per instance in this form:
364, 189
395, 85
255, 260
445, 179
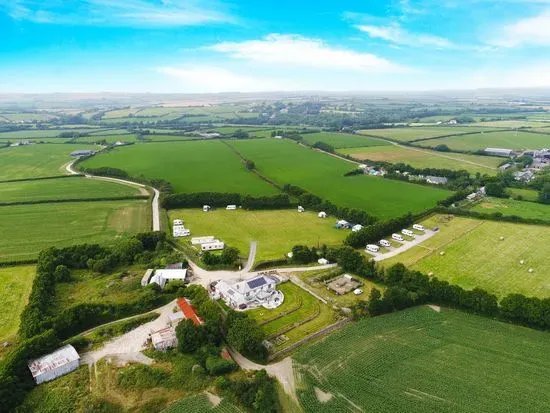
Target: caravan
408, 233
419, 227
397, 237
385, 243
373, 248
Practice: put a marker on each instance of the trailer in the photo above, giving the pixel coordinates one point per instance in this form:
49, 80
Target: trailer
419, 227
397, 237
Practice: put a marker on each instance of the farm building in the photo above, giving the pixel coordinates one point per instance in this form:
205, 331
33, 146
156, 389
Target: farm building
436, 180
164, 339
54, 365
82, 153
214, 245
162, 277
523, 176
188, 311
322, 214
256, 292
499, 152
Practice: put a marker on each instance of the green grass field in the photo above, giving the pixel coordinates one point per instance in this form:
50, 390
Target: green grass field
201, 404
36, 161
63, 188
198, 166
522, 209
509, 140
474, 255
526, 194
27, 229
343, 140
15, 287
426, 159
420, 132
420, 361
39, 133
322, 174
275, 231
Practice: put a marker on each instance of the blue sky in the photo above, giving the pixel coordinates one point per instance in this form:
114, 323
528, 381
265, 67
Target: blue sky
195, 46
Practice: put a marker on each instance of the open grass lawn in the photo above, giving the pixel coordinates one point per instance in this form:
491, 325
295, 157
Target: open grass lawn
420, 132
323, 175
343, 140
508, 140
27, 229
522, 209
62, 188
197, 166
420, 158
526, 194
298, 307
474, 255
276, 232
419, 360
35, 161
126, 138
15, 287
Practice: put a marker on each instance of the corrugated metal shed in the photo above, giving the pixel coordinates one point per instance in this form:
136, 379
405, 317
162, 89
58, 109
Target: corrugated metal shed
53, 365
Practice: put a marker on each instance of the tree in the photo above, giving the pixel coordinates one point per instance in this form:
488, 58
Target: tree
350, 260
190, 337
62, 273
442, 148
495, 189
544, 194
301, 254
230, 256
250, 165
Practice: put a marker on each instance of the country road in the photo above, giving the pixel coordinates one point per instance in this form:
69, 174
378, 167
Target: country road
143, 189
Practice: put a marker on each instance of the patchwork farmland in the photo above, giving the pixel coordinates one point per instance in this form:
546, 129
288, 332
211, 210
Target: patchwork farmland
420, 360
408, 134
343, 140
323, 175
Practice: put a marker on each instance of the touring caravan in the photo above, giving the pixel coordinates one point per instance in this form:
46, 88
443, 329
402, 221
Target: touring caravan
373, 248
385, 243
418, 227
408, 233
397, 237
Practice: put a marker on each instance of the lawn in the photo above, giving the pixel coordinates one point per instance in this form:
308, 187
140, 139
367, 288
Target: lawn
63, 188
15, 287
196, 166
508, 140
27, 229
323, 175
420, 132
276, 232
420, 360
420, 158
343, 140
522, 209
34, 161
474, 256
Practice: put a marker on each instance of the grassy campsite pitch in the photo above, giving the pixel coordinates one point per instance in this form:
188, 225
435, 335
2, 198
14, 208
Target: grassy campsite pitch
275, 231
323, 175
423, 158
470, 253
420, 360
27, 229
197, 166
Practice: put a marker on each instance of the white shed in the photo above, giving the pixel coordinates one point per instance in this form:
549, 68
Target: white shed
54, 365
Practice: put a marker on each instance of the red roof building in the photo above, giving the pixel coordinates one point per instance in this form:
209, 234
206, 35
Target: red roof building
188, 311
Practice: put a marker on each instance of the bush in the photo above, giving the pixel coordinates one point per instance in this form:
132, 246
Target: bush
140, 376
217, 366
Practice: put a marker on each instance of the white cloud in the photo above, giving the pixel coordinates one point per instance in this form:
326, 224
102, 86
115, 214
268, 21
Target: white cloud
206, 79
529, 31
132, 13
285, 49
394, 33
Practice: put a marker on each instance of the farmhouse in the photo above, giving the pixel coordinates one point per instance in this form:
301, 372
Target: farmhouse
54, 365
164, 339
82, 153
436, 180
256, 292
162, 277
499, 152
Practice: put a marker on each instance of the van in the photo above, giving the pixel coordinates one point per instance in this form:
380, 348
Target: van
397, 237
385, 243
408, 232
373, 248
418, 227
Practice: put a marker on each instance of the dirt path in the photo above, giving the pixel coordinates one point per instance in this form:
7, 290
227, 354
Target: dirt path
142, 188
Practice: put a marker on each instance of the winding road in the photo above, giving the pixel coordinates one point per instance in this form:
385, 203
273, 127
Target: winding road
144, 189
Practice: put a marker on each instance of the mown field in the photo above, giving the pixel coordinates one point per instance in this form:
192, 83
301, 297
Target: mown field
426, 159
421, 132
343, 140
27, 229
322, 174
276, 232
508, 140
474, 256
522, 209
420, 360
526, 194
63, 188
40, 133
197, 166
36, 161
15, 287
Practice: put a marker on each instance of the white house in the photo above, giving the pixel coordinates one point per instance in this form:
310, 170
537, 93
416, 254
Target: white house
54, 365
164, 339
356, 228
213, 245
163, 276
255, 292
202, 240
322, 214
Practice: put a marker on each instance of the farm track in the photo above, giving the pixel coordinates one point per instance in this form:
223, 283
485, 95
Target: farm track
142, 188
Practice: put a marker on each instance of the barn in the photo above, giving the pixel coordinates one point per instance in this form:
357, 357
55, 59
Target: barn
54, 365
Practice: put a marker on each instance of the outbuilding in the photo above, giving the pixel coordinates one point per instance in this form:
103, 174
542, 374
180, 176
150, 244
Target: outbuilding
213, 245
54, 365
164, 339
162, 277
